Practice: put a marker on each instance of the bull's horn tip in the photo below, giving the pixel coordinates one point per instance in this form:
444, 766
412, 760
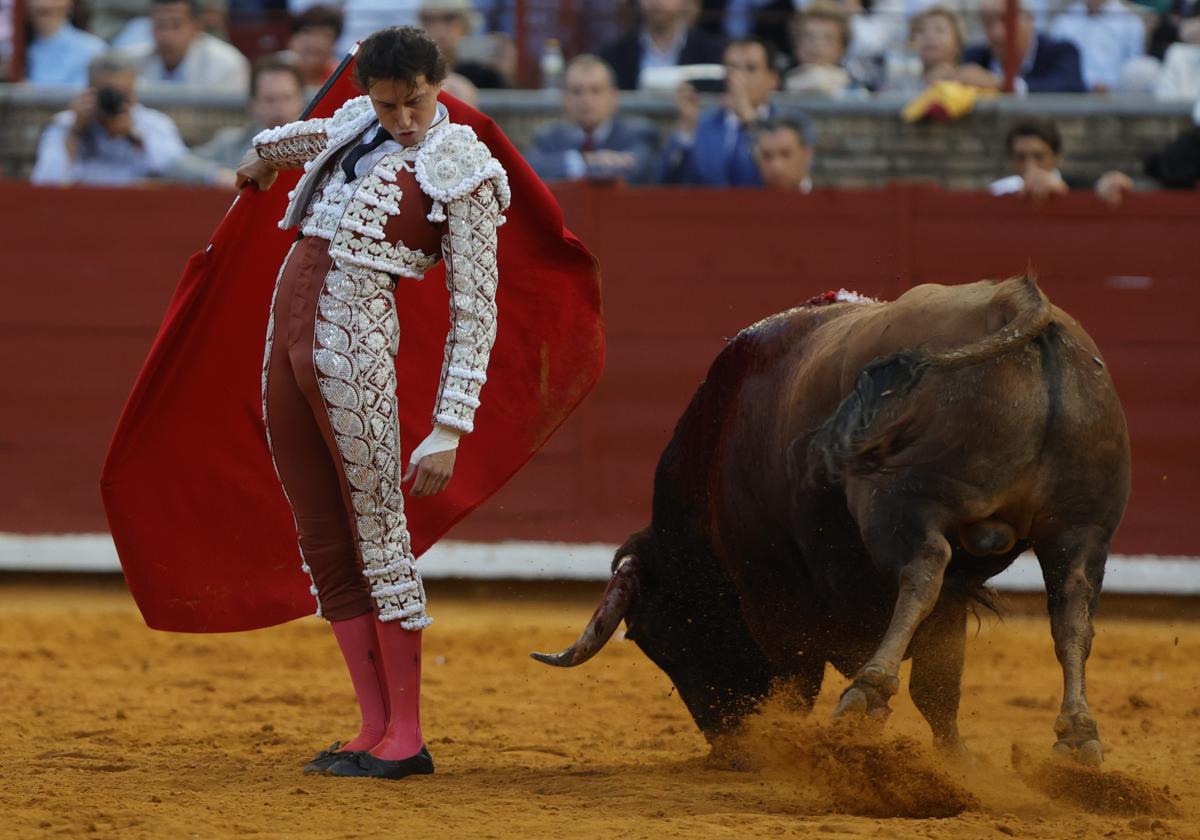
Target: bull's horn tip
547, 658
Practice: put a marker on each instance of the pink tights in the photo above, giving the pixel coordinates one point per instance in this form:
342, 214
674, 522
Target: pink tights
384, 661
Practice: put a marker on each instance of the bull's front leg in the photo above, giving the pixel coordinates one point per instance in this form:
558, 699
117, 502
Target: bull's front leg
921, 555
1073, 568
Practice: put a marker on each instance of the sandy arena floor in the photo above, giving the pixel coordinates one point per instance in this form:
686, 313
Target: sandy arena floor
108, 729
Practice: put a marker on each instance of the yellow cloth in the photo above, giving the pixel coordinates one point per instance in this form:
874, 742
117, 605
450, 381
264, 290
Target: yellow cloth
944, 100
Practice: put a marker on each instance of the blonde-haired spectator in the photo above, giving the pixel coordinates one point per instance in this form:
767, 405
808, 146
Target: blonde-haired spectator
937, 36
820, 38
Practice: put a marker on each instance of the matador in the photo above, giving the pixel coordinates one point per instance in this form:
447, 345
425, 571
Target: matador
205, 500
391, 186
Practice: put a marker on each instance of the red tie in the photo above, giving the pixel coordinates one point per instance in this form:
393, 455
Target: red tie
589, 143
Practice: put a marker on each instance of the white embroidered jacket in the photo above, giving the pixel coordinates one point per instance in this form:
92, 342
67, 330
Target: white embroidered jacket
469, 191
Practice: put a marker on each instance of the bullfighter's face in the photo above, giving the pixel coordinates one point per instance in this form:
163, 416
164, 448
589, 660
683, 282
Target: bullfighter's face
405, 111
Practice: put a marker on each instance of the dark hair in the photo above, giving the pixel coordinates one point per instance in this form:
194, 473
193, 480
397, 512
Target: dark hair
398, 52
193, 5
768, 49
1044, 130
796, 124
273, 63
319, 17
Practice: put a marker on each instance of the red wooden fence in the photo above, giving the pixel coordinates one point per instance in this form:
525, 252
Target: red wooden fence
87, 275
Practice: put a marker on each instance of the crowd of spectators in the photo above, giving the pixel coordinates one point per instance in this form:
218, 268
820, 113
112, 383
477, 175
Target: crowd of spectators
745, 50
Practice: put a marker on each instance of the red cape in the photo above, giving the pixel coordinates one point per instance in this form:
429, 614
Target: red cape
204, 533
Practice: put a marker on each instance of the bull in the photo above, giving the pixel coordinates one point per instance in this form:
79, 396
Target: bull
843, 485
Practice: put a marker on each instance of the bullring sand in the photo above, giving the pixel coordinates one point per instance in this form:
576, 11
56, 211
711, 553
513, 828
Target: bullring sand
109, 729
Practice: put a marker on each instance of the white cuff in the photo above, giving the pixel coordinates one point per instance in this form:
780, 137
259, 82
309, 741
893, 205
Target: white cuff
440, 439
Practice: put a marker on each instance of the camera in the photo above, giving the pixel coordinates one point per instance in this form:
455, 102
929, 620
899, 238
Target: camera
110, 101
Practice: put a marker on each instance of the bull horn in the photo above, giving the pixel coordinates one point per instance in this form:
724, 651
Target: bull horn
619, 592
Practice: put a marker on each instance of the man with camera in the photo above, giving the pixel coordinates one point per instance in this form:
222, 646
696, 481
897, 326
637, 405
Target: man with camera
106, 137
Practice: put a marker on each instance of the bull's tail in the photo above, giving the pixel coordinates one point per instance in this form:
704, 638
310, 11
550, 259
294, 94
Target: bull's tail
847, 443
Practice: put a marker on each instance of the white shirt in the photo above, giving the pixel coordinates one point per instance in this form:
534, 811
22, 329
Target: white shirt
103, 159
1180, 77
652, 56
1106, 40
367, 162
209, 62
1013, 184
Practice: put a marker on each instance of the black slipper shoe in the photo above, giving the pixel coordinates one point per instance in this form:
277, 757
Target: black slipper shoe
325, 759
366, 765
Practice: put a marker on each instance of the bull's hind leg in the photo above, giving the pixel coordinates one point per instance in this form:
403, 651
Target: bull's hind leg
1073, 567
921, 554
938, 650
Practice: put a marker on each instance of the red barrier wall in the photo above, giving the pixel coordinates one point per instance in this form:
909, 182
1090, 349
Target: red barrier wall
87, 275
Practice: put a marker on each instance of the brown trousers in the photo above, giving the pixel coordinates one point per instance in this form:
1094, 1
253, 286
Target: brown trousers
302, 440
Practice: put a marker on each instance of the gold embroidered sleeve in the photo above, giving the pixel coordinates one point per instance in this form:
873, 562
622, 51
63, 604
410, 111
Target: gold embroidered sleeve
469, 249
293, 144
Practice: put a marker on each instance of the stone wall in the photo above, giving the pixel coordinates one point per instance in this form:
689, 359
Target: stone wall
860, 143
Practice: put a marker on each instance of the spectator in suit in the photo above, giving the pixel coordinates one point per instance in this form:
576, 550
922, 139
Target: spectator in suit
1047, 65
715, 148
276, 97
593, 141
107, 137
315, 32
1108, 36
666, 38
783, 152
449, 23
184, 54
820, 37
58, 53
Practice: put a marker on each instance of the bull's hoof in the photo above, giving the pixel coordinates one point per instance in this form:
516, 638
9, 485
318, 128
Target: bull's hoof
868, 695
1078, 739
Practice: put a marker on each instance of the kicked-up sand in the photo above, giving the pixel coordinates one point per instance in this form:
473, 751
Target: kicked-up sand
108, 729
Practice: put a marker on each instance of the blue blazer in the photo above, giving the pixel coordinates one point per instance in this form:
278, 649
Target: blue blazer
710, 161
1055, 66
551, 143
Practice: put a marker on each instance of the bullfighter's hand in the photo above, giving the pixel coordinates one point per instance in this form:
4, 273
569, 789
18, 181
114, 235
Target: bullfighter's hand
1113, 186
254, 170
433, 473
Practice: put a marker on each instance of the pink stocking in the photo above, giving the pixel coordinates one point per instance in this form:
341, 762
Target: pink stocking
360, 649
402, 672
